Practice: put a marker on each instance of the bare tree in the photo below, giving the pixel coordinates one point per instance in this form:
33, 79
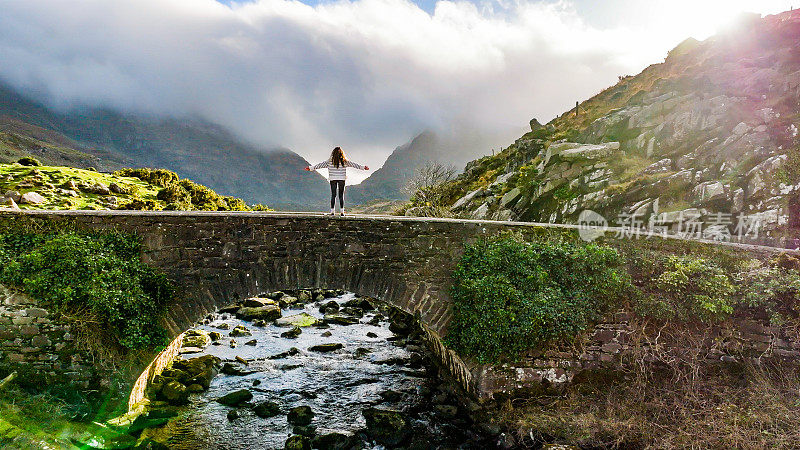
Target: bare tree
428, 176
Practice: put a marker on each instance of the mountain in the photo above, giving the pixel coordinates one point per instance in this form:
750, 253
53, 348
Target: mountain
388, 182
449, 149
710, 133
193, 148
19, 139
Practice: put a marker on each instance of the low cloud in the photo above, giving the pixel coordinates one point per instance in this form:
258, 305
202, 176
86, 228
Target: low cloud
366, 75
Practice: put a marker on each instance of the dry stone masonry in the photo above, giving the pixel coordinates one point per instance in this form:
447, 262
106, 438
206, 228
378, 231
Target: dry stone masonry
38, 345
219, 258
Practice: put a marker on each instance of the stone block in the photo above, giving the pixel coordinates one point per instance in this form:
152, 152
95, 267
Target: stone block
36, 312
16, 357
611, 347
29, 330
22, 320
40, 341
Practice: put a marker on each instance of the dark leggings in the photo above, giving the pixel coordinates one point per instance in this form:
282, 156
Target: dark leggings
334, 184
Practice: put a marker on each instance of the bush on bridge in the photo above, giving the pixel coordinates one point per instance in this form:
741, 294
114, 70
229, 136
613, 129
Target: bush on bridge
510, 295
95, 281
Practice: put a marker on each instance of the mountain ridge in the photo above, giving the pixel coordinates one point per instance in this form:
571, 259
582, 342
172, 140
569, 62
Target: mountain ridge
193, 148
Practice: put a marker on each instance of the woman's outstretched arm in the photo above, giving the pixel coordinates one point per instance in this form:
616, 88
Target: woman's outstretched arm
321, 165
356, 165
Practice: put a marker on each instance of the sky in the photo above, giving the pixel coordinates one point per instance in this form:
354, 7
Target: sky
366, 75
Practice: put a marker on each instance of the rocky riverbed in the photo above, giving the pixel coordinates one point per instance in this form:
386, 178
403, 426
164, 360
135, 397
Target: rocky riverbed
308, 369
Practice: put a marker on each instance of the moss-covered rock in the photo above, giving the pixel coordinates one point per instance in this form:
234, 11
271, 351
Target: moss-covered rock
298, 320
300, 415
292, 334
387, 427
298, 442
267, 409
175, 393
333, 441
268, 312
236, 398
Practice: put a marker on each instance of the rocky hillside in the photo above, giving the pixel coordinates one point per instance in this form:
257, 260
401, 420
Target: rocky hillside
32, 186
19, 139
710, 134
193, 148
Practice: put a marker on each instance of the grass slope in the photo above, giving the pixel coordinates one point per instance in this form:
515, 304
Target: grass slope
72, 188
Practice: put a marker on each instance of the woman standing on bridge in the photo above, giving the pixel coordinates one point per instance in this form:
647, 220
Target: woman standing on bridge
337, 174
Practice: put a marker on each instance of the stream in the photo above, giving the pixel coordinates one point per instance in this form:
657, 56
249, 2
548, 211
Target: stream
319, 387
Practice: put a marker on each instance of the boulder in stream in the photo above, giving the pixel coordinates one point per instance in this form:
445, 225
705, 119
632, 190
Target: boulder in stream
267, 312
297, 442
352, 311
360, 302
175, 393
325, 348
339, 319
292, 334
333, 441
196, 338
297, 320
267, 409
257, 302
330, 307
236, 398
300, 415
230, 369
240, 330
200, 370
386, 426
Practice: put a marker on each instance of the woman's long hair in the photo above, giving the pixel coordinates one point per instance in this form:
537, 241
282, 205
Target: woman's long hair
337, 157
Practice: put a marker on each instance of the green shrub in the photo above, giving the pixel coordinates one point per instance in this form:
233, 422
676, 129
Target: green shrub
510, 296
29, 161
235, 204
174, 194
96, 280
774, 290
158, 177
140, 205
260, 207
688, 289
203, 198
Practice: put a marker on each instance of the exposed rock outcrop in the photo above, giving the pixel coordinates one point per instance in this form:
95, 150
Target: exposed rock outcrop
712, 132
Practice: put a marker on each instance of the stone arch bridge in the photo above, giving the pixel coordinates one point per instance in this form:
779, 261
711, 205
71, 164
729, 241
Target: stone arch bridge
216, 258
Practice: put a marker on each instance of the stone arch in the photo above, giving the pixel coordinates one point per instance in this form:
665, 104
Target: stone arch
203, 296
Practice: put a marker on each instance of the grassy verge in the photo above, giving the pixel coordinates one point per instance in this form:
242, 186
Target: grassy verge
675, 408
